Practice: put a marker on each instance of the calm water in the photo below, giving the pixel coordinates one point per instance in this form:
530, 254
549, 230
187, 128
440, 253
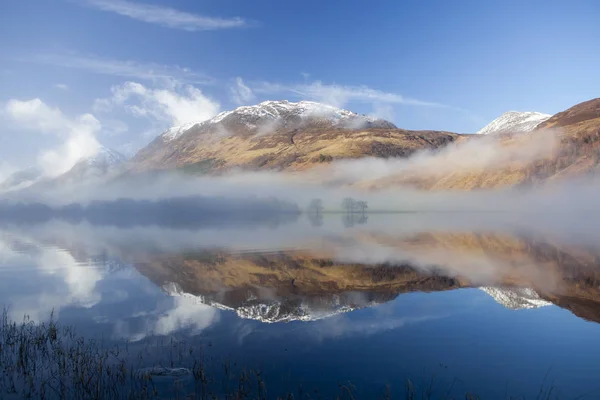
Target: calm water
313, 302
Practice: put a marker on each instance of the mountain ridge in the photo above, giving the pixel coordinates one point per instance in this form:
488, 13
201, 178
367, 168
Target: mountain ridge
103, 163
280, 135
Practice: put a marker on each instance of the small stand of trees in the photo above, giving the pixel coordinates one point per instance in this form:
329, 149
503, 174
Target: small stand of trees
315, 207
354, 212
315, 212
352, 206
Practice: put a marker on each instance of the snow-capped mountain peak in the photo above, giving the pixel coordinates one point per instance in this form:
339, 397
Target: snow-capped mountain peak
104, 162
105, 157
514, 121
284, 112
283, 108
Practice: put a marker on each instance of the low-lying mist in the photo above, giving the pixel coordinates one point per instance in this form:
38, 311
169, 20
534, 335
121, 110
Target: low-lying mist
235, 190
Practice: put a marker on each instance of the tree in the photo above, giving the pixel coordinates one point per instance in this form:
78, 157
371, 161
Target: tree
348, 204
315, 207
361, 206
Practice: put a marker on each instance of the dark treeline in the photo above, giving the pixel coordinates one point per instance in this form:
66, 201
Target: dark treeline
190, 212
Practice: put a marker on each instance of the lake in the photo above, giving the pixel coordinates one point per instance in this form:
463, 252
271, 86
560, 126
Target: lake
492, 304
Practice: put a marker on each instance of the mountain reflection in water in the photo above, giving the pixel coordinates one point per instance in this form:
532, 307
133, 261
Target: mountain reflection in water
294, 284
302, 272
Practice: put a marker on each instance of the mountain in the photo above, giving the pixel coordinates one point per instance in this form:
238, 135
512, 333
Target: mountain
104, 162
564, 147
280, 135
274, 115
517, 298
513, 122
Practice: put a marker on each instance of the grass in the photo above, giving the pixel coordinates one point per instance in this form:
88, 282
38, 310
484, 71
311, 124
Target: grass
49, 361
201, 167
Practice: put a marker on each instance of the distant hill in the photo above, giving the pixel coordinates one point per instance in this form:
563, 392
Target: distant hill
103, 165
104, 162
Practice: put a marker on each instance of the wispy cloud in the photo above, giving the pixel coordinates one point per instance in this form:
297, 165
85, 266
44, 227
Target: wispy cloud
78, 133
123, 68
173, 106
339, 95
166, 16
240, 93
61, 86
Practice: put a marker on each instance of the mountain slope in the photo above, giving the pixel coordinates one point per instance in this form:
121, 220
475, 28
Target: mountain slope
565, 147
280, 135
587, 111
514, 122
105, 164
102, 163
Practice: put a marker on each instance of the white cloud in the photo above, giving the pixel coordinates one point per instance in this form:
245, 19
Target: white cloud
383, 111
61, 86
167, 17
187, 313
79, 133
60, 281
123, 68
240, 93
339, 95
36, 115
175, 106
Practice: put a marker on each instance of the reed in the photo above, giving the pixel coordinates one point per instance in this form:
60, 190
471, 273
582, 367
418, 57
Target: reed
49, 361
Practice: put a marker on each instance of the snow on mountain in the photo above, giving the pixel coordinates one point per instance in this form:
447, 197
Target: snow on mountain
281, 109
514, 121
284, 112
176, 131
105, 158
516, 298
271, 312
105, 161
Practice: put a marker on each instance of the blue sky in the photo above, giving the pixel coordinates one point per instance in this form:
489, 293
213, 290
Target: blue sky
78, 73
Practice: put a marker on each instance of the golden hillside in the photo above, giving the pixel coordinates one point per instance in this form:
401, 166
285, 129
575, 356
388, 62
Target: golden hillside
290, 150
566, 146
281, 135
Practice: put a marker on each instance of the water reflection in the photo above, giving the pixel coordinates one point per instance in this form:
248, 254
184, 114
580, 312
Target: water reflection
404, 291
291, 272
